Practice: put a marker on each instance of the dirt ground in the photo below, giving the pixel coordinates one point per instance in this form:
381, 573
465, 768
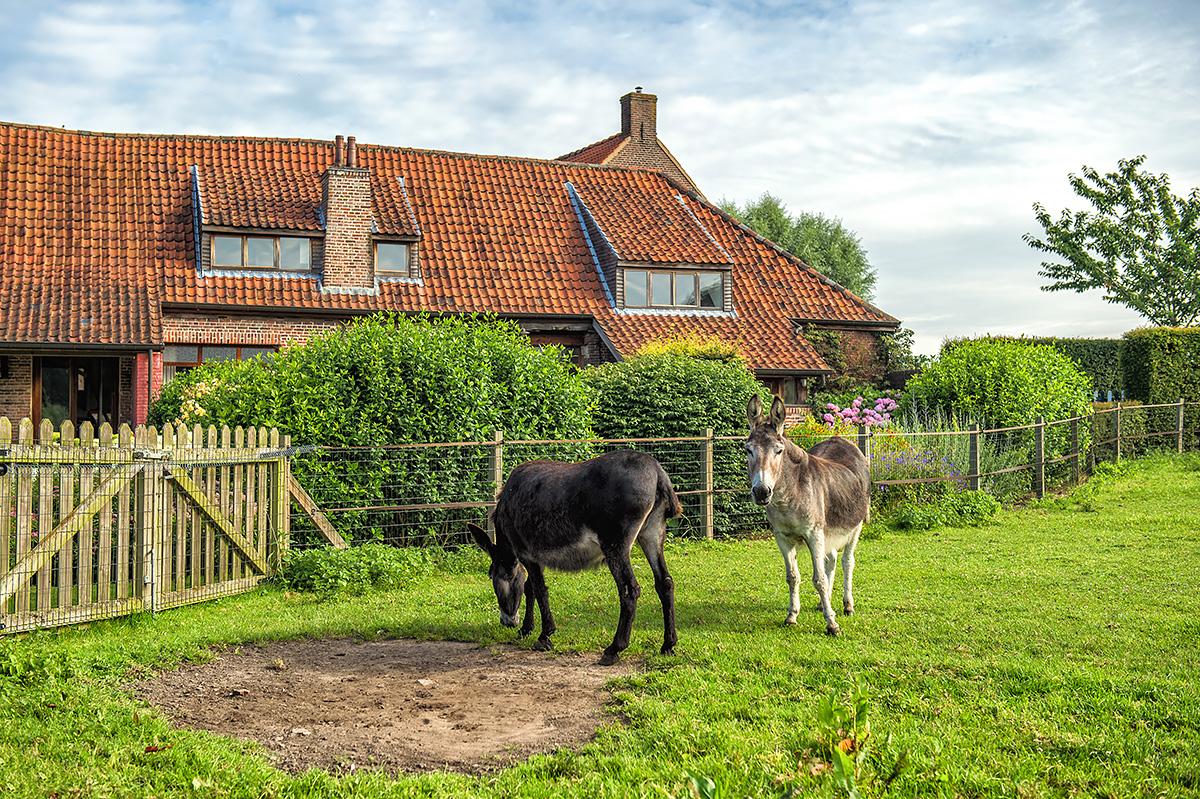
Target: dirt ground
399, 705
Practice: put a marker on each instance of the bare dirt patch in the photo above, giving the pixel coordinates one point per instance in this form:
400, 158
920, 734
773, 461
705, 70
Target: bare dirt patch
399, 706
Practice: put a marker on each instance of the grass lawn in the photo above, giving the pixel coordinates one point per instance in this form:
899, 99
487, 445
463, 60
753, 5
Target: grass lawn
1053, 653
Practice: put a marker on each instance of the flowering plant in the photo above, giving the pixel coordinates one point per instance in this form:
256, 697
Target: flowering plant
859, 412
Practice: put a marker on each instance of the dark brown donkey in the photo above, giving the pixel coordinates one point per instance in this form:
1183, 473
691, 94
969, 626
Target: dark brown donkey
575, 516
819, 498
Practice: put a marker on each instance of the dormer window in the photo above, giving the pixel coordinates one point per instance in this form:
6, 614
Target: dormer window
288, 253
391, 259
645, 288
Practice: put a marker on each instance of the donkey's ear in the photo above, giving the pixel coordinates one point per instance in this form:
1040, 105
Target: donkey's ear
754, 412
778, 414
481, 537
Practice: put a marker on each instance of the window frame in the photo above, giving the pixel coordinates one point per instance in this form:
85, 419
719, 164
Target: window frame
172, 368
276, 240
673, 291
408, 252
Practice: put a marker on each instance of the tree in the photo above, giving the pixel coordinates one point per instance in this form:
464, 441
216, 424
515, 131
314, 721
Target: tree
819, 241
1141, 244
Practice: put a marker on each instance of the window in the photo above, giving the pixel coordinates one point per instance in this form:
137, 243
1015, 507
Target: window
181, 357
289, 253
648, 289
391, 258
78, 389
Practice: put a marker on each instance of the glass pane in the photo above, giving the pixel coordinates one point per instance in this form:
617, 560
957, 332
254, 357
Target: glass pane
220, 353
391, 258
660, 288
685, 289
254, 352
56, 390
227, 250
295, 254
181, 353
790, 397
635, 289
711, 292
260, 253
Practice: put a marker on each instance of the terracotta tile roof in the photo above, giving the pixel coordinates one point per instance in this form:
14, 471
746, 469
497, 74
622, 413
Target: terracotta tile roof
97, 240
597, 153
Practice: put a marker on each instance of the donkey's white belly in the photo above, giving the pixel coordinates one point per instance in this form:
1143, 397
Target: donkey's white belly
799, 527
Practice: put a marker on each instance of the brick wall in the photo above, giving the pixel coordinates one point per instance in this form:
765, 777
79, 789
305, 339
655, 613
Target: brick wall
349, 262
639, 121
16, 392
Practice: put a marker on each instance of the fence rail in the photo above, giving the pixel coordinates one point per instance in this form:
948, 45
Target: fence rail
430, 491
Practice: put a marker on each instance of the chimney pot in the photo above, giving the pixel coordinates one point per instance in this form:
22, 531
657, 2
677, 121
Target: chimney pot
351, 153
339, 155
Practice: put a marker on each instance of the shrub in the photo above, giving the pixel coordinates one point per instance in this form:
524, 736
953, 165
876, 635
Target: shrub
674, 388
963, 509
371, 566
388, 380
1005, 383
1162, 365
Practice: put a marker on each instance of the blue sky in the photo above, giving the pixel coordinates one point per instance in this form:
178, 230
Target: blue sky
928, 127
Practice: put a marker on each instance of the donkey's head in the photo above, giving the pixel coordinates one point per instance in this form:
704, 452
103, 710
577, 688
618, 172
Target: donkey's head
765, 448
508, 576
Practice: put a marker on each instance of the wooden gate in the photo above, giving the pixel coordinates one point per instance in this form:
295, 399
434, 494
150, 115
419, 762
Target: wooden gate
98, 525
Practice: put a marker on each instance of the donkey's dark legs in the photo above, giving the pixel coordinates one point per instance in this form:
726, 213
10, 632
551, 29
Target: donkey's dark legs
665, 587
537, 592
628, 592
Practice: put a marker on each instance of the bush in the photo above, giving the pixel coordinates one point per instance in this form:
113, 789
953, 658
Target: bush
371, 566
1162, 365
965, 509
387, 380
1005, 383
679, 387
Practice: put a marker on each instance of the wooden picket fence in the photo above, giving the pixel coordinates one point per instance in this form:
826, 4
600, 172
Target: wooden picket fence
98, 524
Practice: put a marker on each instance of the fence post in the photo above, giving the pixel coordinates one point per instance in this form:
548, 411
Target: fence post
1076, 457
973, 466
1179, 427
706, 505
497, 469
145, 524
864, 441
1039, 467
1117, 435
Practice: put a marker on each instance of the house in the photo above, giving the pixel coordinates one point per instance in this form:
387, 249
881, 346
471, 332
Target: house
125, 258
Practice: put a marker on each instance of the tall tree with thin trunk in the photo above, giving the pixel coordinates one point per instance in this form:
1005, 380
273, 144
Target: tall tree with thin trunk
1140, 245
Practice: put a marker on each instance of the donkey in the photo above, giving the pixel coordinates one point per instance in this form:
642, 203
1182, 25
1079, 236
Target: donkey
575, 516
820, 498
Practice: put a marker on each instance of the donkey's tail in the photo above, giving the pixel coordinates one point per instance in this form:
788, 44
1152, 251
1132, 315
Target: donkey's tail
672, 507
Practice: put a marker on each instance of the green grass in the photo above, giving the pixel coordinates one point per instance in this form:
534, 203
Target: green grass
1054, 653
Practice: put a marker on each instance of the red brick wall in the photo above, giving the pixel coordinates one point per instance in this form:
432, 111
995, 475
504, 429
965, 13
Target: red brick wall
16, 393
349, 260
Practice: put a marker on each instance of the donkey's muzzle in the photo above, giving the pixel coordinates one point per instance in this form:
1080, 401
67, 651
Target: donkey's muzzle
507, 620
761, 494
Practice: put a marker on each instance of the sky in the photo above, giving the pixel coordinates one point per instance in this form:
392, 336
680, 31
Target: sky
928, 127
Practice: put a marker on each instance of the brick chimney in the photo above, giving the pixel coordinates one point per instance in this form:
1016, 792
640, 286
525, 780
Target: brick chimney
349, 263
638, 114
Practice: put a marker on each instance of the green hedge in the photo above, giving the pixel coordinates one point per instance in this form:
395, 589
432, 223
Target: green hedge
1098, 358
1162, 365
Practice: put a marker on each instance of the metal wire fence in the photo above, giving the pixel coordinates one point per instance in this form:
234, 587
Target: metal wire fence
425, 494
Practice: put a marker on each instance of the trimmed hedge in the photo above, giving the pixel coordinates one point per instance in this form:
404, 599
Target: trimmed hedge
1098, 358
1162, 365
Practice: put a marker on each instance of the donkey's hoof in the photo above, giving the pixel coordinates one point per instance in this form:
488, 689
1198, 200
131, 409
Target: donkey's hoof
790, 621
543, 645
832, 630
607, 659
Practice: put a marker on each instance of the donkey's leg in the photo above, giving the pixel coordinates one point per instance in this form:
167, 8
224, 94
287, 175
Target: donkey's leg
628, 592
651, 541
848, 573
536, 590
791, 571
816, 547
831, 558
